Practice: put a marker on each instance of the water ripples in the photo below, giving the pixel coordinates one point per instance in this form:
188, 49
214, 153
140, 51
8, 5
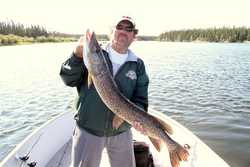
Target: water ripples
204, 86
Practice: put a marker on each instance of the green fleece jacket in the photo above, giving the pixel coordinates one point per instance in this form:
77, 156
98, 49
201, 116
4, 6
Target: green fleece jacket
92, 114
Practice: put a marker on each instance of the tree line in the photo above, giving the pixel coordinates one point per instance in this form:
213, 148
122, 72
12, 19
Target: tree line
235, 34
18, 29
14, 33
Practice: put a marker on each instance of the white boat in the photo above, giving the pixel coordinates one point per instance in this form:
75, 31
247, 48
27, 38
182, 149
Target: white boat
50, 146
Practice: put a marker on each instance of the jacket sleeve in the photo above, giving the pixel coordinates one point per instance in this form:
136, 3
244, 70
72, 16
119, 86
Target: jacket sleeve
140, 95
72, 71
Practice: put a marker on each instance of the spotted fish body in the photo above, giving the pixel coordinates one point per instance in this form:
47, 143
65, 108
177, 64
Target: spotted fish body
108, 91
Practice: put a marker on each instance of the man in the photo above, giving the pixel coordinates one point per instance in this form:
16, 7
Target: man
96, 126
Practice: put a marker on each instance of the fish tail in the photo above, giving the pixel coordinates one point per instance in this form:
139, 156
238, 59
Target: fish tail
178, 154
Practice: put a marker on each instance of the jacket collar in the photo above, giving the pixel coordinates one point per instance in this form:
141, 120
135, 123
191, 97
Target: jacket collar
131, 55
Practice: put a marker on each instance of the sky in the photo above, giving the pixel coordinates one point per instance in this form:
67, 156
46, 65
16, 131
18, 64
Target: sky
152, 17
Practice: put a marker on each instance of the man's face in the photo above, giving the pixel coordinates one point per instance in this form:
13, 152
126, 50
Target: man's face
123, 34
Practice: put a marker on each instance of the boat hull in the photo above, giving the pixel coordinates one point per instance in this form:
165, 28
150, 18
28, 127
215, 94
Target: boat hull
50, 145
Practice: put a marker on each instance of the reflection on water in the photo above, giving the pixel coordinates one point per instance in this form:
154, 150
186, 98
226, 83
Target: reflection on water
204, 86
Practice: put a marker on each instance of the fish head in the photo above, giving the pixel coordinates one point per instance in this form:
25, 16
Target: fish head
92, 42
93, 53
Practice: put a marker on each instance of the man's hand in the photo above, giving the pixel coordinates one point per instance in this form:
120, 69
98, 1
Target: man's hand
78, 51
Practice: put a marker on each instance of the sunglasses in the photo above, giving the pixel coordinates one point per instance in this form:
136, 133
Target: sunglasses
125, 28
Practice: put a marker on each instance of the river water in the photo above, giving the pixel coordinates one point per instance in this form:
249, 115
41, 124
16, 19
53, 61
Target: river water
204, 86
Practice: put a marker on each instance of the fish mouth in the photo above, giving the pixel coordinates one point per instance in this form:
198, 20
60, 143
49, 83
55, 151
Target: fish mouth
89, 34
92, 41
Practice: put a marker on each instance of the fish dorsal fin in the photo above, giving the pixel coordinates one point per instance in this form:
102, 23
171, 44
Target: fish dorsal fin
164, 125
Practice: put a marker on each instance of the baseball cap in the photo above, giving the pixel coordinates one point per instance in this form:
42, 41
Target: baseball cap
127, 18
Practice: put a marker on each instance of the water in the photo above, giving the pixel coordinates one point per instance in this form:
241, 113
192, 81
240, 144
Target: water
204, 86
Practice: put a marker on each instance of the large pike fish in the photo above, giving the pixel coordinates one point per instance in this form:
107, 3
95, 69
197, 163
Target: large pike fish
107, 89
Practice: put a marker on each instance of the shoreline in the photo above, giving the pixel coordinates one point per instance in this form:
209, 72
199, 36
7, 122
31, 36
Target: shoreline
10, 40
13, 40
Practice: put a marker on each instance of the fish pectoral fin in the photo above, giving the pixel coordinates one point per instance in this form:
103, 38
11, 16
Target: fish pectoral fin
117, 121
89, 80
166, 127
156, 143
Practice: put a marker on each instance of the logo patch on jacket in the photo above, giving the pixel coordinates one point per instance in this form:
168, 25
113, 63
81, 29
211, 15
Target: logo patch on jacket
131, 74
